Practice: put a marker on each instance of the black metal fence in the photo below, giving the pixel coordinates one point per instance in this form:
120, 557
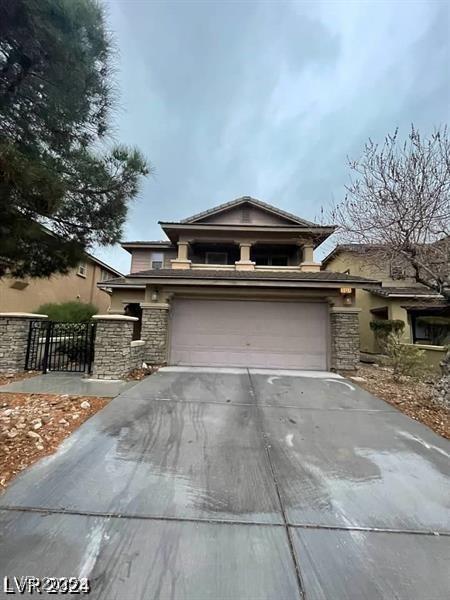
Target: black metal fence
58, 346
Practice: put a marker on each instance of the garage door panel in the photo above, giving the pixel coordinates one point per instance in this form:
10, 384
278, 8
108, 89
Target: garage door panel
249, 333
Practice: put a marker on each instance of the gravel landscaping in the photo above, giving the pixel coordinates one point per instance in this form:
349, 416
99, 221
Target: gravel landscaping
411, 396
34, 425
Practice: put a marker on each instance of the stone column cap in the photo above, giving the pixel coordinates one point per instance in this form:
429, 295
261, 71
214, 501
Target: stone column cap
345, 309
114, 318
23, 315
158, 305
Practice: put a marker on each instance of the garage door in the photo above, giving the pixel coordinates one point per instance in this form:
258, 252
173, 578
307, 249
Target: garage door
286, 335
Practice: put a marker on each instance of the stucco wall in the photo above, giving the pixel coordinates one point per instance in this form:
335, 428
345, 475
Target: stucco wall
58, 288
120, 298
366, 301
141, 258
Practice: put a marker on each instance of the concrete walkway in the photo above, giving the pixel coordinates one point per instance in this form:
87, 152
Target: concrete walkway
74, 384
236, 486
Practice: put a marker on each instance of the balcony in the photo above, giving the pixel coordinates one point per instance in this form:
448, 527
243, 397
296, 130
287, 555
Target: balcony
243, 256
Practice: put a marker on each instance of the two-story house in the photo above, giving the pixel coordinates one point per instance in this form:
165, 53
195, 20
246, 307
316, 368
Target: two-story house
399, 298
237, 285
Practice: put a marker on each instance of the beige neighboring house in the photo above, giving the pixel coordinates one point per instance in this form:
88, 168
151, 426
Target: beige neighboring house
26, 295
238, 286
400, 297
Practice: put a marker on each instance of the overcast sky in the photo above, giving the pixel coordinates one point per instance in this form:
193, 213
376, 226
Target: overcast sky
267, 99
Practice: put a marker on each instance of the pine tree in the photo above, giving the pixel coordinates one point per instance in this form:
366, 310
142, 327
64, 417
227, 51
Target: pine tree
62, 188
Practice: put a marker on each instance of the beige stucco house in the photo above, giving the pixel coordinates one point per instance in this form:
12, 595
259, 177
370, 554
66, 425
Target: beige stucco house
400, 296
26, 295
238, 285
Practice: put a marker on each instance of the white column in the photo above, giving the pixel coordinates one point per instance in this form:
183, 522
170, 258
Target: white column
307, 263
244, 263
182, 261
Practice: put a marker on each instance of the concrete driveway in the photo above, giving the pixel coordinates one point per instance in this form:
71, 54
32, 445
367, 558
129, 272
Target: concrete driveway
239, 484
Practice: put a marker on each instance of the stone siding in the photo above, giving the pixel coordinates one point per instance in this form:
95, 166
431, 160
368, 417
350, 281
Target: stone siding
137, 354
14, 341
154, 332
115, 356
344, 339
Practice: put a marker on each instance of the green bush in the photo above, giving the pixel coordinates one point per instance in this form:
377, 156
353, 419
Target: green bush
404, 359
382, 328
75, 312
386, 326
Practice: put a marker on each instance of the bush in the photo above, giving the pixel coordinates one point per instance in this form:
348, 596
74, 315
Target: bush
403, 358
383, 328
75, 312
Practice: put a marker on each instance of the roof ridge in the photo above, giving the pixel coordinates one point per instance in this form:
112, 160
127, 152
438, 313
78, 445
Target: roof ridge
251, 200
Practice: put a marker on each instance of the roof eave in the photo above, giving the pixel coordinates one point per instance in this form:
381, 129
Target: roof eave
243, 282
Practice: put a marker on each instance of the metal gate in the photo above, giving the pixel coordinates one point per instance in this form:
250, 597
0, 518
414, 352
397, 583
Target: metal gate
59, 346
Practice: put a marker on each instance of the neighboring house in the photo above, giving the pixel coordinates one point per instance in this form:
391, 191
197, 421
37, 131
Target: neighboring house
400, 296
26, 295
237, 285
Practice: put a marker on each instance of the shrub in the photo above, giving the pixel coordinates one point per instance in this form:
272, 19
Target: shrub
403, 358
75, 312
382, 328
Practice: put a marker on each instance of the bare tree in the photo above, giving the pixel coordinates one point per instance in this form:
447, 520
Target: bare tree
398, 201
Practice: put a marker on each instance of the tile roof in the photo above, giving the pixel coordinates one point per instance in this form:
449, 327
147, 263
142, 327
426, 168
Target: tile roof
167, 243
257, 274
418, 292
358, 248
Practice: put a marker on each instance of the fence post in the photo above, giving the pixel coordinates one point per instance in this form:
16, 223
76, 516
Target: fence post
14, 332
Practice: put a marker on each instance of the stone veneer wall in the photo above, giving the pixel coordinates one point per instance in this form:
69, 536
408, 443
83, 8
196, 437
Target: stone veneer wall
115, 353
14, 328
344, 338
155, 321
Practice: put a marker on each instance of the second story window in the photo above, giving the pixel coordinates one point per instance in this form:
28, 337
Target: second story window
216, 258
279, 261
82, 269
269, 260
157, 260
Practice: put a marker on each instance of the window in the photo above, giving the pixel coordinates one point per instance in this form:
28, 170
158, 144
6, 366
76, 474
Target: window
82, 269
279, 261
157, 259
216, 258
104, 275
267, 260
261, 260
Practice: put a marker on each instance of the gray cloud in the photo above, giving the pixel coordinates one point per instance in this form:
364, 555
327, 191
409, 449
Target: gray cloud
268, 98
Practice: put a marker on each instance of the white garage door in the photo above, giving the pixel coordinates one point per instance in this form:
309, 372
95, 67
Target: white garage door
284, 335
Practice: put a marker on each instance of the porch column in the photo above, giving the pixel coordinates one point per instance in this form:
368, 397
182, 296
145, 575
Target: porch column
155, 321
182, 261
307, 263
345, 343
244, 263
14, 328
